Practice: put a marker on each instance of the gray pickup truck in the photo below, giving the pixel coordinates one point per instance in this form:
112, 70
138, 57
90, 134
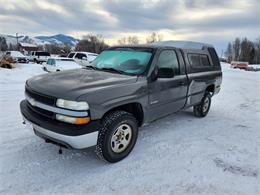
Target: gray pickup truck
125, 87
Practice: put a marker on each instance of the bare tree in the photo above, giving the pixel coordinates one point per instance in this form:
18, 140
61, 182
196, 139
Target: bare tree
58, 48
154, 37
247, 51
67, 48
11, 47
3, 44
128, 40
52, 48
244, 50
91, 43
122, 41
229, 52
236, 49
257, 51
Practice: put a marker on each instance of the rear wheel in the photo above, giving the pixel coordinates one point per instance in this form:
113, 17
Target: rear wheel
202, 109
6, 66
117, 136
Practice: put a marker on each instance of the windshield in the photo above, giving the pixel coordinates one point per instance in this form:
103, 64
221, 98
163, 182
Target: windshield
127, 61
71, 55
50, 61
42, 54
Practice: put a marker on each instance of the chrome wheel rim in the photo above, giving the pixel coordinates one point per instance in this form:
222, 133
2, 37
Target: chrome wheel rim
205, 105
121, 138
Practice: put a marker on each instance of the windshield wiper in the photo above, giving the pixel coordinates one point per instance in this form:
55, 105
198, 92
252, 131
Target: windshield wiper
91, 67
113, 70
108, 69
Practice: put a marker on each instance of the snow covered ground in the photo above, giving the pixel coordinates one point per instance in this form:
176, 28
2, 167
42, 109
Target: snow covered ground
180, 154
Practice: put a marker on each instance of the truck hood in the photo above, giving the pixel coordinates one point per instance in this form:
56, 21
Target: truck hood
71, 84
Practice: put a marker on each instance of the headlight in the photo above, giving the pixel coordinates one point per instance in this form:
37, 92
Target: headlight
72, 105
73, 120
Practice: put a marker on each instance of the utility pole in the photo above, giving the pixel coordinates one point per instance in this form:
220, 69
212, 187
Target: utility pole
17, 41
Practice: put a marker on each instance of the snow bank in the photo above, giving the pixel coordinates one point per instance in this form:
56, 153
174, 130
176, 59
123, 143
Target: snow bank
180, 154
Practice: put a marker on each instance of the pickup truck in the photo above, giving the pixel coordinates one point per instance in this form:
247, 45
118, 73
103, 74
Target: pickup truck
82, 58
105, 103
39, 56
17, 56
55, 64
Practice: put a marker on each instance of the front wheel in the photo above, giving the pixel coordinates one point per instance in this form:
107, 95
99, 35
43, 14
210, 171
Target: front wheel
8, 66
117, 136
202, 109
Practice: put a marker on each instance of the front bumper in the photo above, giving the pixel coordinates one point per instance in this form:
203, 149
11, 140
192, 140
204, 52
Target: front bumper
69, 135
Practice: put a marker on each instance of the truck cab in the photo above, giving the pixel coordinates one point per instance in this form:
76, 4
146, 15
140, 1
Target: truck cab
105, 103
39, 56
82, 58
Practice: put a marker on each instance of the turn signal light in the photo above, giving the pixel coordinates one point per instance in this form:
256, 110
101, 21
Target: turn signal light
73, 120
80, 121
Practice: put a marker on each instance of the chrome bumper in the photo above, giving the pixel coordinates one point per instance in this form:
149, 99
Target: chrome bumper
76, 142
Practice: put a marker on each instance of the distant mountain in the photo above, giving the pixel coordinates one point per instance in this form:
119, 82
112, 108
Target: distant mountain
58, 39
42, 40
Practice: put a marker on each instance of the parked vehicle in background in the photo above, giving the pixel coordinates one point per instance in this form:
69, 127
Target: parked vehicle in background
59, 64
122, 89
253, 67
83, 58
39, 56
17, 56
241, 65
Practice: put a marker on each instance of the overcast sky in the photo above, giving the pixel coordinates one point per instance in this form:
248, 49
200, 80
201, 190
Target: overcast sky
212, 21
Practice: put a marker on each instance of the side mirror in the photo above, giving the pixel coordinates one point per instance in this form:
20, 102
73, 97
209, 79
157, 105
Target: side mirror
165, 73
84, 58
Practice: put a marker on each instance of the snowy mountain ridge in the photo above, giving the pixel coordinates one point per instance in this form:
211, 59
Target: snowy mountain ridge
41, 40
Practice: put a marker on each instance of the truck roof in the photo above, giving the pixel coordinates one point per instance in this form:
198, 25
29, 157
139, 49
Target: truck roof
177, 44
183, 44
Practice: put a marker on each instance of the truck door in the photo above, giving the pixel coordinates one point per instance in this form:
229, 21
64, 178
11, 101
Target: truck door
168, 95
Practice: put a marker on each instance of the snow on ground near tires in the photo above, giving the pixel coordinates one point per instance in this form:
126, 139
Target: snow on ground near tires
179, 154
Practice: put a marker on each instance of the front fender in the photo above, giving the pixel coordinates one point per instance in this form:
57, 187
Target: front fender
102, 101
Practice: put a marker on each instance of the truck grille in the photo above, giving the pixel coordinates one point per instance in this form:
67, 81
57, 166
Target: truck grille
41, 98
41, 111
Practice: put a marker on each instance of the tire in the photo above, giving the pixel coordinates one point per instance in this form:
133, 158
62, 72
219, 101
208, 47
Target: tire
202, 109
109, 144
8, 66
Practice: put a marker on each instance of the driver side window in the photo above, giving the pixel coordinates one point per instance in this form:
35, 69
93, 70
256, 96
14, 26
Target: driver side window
80, 56
168, 59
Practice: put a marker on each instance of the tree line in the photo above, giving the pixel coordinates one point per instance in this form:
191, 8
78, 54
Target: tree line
89, 43
243, 50
96, 44
128, 40
238, 50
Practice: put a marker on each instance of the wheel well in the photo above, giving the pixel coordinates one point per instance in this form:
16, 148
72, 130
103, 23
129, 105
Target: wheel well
211, 89
134, 108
